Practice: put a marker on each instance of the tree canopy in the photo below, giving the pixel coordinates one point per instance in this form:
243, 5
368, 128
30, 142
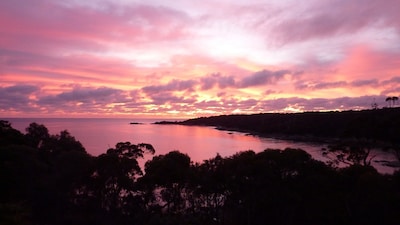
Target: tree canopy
51, 179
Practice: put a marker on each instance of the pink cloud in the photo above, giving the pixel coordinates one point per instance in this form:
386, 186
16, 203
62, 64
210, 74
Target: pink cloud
81, 28
89, 100
153, 58
367, 62
361, 71
61, 70
326, 18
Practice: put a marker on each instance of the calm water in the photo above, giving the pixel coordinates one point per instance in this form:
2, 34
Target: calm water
200, 143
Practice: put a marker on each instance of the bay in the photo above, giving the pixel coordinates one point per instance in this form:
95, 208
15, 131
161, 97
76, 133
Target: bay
200, 143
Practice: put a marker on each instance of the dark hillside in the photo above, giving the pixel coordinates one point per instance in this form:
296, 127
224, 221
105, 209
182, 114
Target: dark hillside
380, 124
51, 179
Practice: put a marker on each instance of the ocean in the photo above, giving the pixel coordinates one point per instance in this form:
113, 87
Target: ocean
199, 143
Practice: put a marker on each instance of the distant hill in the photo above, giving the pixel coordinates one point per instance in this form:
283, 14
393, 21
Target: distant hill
377, 124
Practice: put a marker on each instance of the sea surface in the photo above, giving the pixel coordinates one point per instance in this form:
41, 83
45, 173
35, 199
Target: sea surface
200, 143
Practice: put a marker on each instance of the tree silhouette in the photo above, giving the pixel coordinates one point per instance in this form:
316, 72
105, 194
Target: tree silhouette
59, 183
211, 191
9, 135
355, 152
394, 99
110, 189
63, 142
168, 176
389, 100
37, 134
131, 151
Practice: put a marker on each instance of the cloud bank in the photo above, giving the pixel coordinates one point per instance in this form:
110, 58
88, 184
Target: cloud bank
125, 58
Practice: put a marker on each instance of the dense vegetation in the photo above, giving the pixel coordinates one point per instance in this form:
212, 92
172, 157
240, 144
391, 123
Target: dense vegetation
377, 124
50, 179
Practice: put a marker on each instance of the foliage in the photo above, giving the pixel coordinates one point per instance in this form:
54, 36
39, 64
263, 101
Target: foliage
392, 100
50, 179
381, 124
9, 135
354, 152
36, 134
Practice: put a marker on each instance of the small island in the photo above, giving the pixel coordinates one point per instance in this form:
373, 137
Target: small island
168, 122
135, 123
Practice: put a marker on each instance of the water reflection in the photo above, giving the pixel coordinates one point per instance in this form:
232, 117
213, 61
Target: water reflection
200, 143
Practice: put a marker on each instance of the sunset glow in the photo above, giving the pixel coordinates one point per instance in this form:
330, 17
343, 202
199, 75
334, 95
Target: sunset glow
184, 59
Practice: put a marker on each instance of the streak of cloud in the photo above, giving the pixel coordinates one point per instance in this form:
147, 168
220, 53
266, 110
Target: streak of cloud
125, 58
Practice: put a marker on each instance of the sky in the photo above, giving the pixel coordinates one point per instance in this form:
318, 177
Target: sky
186, 58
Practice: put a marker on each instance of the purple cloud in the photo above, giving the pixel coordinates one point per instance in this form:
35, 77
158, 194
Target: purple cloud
174, 85
21, 89
393, 80
269, 92
263, 77
327, 85
17, 97
88, 95
360, 83
210, 81
167, 97
302, 85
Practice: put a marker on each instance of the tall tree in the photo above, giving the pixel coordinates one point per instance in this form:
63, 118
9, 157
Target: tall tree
389, 100
394, 99
168, 175
37, 134
110, 189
